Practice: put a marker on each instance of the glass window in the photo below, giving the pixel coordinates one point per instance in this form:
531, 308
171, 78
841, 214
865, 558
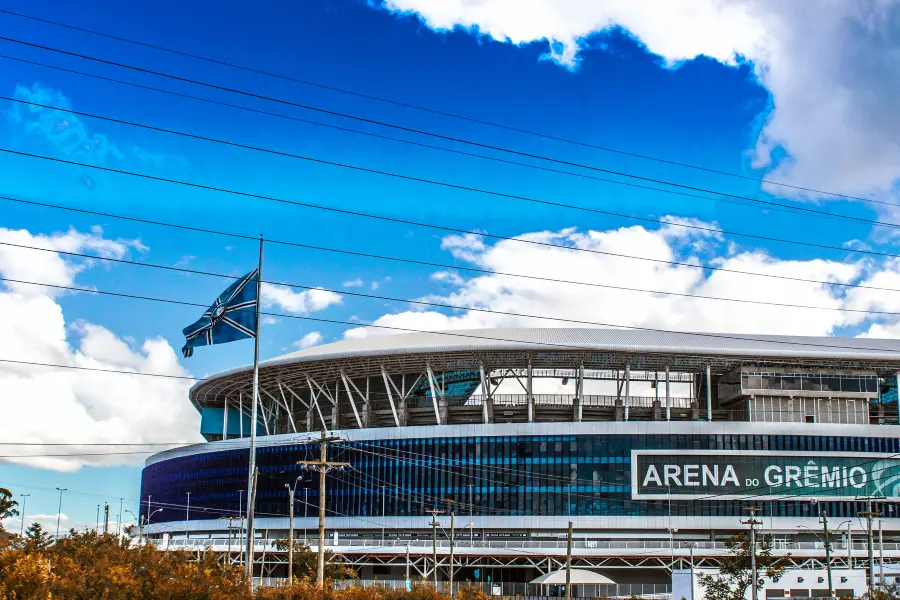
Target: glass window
850, 383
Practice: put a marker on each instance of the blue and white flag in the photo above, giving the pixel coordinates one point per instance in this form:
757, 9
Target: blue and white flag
232, 316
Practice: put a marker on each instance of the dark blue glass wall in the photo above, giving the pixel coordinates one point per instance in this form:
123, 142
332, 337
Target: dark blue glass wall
502, 476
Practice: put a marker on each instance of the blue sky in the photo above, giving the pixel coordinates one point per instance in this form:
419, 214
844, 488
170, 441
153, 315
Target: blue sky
619, 92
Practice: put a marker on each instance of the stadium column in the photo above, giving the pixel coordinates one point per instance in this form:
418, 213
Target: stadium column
579, 395
668, 397
437, 395
335, 407
486, 401
627, 389
528, 392
708, 393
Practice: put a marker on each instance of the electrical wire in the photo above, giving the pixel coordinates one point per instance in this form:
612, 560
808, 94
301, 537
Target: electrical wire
459, 306
411, 330
437, 111
437, 135
355, 131
294, 244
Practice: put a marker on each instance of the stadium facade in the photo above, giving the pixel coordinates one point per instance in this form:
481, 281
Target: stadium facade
654, 444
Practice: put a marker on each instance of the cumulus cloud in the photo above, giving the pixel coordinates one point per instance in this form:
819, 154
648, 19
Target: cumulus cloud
523, 296
828, 65
70, 405
299, 303
313, 338
352, 283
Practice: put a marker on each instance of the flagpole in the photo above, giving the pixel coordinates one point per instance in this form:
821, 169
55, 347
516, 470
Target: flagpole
251, 492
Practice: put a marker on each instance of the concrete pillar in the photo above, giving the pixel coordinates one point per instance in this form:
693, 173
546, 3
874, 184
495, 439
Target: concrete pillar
627, 389
668, 397
708, 393
529, 392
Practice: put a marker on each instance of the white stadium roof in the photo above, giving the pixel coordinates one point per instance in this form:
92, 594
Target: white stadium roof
623, 341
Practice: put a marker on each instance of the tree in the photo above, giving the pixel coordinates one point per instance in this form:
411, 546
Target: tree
306, 562
7, 509
36, 539
734, 577
7, 505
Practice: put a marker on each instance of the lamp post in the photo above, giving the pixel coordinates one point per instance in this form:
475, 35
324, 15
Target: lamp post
59, 510
293, 491
22, 532
187, 517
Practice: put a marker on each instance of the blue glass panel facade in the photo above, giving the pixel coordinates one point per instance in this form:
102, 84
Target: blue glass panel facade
529, 475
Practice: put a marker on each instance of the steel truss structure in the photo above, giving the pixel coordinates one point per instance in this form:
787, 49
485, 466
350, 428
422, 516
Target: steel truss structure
408, 381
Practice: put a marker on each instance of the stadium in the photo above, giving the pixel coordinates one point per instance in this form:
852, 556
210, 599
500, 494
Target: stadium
653, 444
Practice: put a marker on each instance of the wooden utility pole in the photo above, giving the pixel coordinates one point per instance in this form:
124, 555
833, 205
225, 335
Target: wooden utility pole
569, 563
322, 465
753, 522
870, 546
823, 517
434, 525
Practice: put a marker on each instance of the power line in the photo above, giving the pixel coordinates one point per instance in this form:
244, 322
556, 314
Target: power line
357, 131
459, 306
357, 324
429, 226
437, 111
769, 203
354, 167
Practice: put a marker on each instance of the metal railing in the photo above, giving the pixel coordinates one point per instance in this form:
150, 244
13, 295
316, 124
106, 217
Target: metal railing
462, 544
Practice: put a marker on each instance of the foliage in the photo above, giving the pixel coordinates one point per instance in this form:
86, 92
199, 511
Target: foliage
7, 505
7, 509
88, 566
35, 539
891, 592
734, 577
306, 562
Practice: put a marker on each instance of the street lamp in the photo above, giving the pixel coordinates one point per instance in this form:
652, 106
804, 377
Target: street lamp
22, 533
849, 523
293, 491
59, 510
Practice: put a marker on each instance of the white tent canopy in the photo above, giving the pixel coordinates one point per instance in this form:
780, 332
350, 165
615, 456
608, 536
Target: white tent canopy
578, 577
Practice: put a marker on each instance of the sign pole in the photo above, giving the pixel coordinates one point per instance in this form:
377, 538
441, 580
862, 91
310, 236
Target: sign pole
251, 492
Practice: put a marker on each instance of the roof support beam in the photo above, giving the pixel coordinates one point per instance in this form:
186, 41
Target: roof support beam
350, 397
387, 386
434, 393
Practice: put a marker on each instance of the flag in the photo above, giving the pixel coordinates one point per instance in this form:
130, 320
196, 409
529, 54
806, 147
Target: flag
232, 316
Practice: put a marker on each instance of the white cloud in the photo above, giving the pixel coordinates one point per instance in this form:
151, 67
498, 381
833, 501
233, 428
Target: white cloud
829, 66
70, 405
351, 283
299, 303
619, 307
313, 338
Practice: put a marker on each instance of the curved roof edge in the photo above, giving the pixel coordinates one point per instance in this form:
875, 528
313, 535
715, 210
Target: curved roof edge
590, 339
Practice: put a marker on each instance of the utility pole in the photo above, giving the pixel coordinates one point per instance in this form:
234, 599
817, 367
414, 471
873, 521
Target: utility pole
823, 518
322, 465
97, 529
569, 563
187, 517
292, 491
106, 518
251, 537
452, 540
434, 525
870, 546
407, 563
753, 522
119, 518
22, 529
59, 510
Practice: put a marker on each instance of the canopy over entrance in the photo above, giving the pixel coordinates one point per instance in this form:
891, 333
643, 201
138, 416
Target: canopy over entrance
578, 577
